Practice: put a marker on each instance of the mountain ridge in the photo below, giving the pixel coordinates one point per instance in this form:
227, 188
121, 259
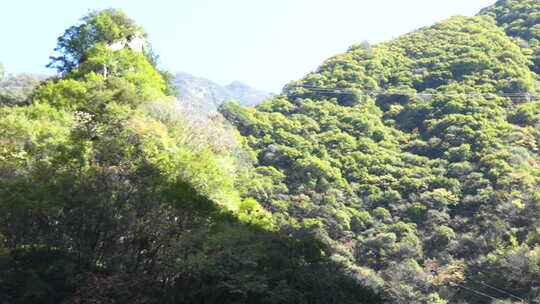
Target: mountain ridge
208, 95
348, 187
418, 195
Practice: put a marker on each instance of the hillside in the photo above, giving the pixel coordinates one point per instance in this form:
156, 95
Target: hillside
16, 89
415, 159
113, 192
521, 20
246, 95
401, 172
208, 95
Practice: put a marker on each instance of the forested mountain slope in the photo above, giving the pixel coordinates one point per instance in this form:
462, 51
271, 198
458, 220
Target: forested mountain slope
16, 89
521, 20
111, 192
207, 95
429, 193
411, 167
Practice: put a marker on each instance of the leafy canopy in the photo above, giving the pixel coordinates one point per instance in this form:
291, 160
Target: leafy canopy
111, 191
99, 27
414, 193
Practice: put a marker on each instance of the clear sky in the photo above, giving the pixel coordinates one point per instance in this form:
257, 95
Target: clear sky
264, 43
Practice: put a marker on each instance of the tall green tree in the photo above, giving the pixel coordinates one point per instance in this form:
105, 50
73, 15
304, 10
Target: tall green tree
111, 192
99, 27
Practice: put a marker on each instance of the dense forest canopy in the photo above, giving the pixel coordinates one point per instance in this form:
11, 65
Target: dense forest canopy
427, 190
400, 172
111, 191
520, 19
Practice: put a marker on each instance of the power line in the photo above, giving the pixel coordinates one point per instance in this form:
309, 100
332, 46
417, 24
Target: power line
475, 291
354, 91
384, 92
500, 290
493, 287
374, 92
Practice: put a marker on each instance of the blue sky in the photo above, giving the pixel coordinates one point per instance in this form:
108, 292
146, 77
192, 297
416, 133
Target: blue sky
264, 43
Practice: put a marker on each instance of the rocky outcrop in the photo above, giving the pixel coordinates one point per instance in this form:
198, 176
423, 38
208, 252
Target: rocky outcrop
135, 43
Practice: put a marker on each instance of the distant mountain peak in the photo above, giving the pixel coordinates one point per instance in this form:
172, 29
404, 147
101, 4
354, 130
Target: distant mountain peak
208, 95
237, 84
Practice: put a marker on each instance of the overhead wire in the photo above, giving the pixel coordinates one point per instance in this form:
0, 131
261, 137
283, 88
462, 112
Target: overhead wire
350, 90
475, 291
490, 286
501, 290
353, 91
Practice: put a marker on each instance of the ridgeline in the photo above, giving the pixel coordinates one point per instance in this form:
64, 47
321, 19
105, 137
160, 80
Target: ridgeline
401, 172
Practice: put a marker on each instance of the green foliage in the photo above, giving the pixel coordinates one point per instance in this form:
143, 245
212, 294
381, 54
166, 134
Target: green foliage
17, 89
98, 27
411, 192
111, 191
109, 44
525, 114
520, 19
128, 64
